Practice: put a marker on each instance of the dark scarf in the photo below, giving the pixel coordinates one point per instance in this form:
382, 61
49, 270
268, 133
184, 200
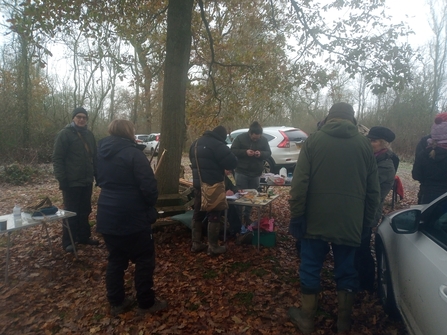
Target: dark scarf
82, 130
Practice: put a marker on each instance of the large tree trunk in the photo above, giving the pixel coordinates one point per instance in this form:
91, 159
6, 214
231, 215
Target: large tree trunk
173, 126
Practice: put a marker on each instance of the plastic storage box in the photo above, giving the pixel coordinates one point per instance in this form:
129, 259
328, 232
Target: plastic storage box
267, 239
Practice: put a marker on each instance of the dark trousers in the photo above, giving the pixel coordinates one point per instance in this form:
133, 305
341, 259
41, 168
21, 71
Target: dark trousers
78, 200
364, 262
139, 249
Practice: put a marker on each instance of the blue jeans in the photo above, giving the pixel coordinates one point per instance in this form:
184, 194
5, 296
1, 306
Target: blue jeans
246, 182
313, 254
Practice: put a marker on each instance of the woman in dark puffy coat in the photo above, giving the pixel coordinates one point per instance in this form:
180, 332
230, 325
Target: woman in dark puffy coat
125, 214
213, 157
430, 163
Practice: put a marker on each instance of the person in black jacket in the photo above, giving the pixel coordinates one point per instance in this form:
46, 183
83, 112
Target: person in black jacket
125, 214
212, 157
430, 163
74, 163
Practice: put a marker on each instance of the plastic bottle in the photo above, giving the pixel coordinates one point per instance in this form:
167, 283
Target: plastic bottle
283, 172
17, 212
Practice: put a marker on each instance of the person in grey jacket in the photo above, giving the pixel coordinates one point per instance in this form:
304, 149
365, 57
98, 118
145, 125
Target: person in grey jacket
335, 190
74, 164
380, 138
251, 150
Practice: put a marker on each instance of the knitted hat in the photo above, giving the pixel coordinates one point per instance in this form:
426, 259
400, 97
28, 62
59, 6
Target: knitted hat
221, 132
439, 127
77, 111
342, 110
383, 133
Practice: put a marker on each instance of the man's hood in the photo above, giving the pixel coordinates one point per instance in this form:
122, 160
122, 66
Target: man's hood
340, 128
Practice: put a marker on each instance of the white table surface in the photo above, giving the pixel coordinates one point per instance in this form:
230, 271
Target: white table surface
28, 221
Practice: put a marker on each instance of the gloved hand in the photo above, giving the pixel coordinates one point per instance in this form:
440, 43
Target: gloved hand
298, 227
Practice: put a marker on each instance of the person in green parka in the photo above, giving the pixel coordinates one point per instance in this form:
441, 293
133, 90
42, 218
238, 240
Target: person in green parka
335, 192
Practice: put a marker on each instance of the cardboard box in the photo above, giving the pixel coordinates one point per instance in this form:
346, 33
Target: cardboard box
267, 239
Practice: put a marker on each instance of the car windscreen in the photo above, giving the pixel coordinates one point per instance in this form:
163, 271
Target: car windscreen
296, 135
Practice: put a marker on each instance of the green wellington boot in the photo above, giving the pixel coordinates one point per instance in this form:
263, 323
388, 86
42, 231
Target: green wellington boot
304, 317
197, 245
345, 303
213, 237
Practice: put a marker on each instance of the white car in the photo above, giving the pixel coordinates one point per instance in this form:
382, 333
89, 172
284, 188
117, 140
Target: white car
411, 250
285, 144
153, 142
143, 139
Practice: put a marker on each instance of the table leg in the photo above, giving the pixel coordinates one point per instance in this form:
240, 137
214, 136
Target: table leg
48, 237
67, 225
225, 224
259, 227
7, 257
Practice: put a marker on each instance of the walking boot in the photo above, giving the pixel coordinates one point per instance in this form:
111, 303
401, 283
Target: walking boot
197, 245
345, 303
213, 236
304, 317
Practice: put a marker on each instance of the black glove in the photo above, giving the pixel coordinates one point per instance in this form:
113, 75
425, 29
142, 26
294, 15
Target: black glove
298, 227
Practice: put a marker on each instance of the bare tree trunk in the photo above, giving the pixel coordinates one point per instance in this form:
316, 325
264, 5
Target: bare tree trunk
173, 126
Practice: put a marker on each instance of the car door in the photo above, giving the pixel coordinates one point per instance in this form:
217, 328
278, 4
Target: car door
422, 273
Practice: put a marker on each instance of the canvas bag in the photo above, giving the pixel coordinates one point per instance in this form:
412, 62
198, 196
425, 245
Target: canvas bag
213, 197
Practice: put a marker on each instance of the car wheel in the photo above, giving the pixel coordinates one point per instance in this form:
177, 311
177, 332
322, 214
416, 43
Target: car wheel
384, 285
269, 166
152, 151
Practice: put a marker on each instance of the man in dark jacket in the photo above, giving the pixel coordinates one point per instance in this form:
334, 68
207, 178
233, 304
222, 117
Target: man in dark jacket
335, 190
251, 149
74, 163
209, 156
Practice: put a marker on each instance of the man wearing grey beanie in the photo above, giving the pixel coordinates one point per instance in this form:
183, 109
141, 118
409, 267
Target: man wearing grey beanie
74, 163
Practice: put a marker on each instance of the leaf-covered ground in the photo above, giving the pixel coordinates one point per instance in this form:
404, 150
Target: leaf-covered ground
244, 291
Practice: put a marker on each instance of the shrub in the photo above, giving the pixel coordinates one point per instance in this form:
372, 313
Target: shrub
17, 174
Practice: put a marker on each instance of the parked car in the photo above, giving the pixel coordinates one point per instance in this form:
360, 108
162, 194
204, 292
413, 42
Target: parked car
153, 143
285, 144
143, 139
411, 250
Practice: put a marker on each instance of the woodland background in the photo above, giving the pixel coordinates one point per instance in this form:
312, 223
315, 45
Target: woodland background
279, 62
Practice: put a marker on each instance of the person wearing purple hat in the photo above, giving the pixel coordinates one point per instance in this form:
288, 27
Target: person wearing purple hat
430, 163
74, 164
381, 138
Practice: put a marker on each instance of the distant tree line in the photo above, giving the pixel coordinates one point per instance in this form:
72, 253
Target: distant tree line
274, 62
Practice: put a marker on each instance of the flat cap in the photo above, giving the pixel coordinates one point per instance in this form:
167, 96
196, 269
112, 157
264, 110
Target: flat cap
381, 133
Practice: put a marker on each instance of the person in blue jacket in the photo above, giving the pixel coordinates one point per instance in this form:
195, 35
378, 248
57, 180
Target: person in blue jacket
126, 210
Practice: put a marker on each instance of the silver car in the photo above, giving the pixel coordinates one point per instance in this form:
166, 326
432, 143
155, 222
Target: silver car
285, 144
411, 250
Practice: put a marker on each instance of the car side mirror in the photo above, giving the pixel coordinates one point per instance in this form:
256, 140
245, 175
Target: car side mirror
406, 222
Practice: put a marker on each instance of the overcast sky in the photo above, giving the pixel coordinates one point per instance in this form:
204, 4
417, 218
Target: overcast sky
415, 12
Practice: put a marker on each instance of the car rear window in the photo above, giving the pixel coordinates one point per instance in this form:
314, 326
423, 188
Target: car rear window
296, 135
143, 138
